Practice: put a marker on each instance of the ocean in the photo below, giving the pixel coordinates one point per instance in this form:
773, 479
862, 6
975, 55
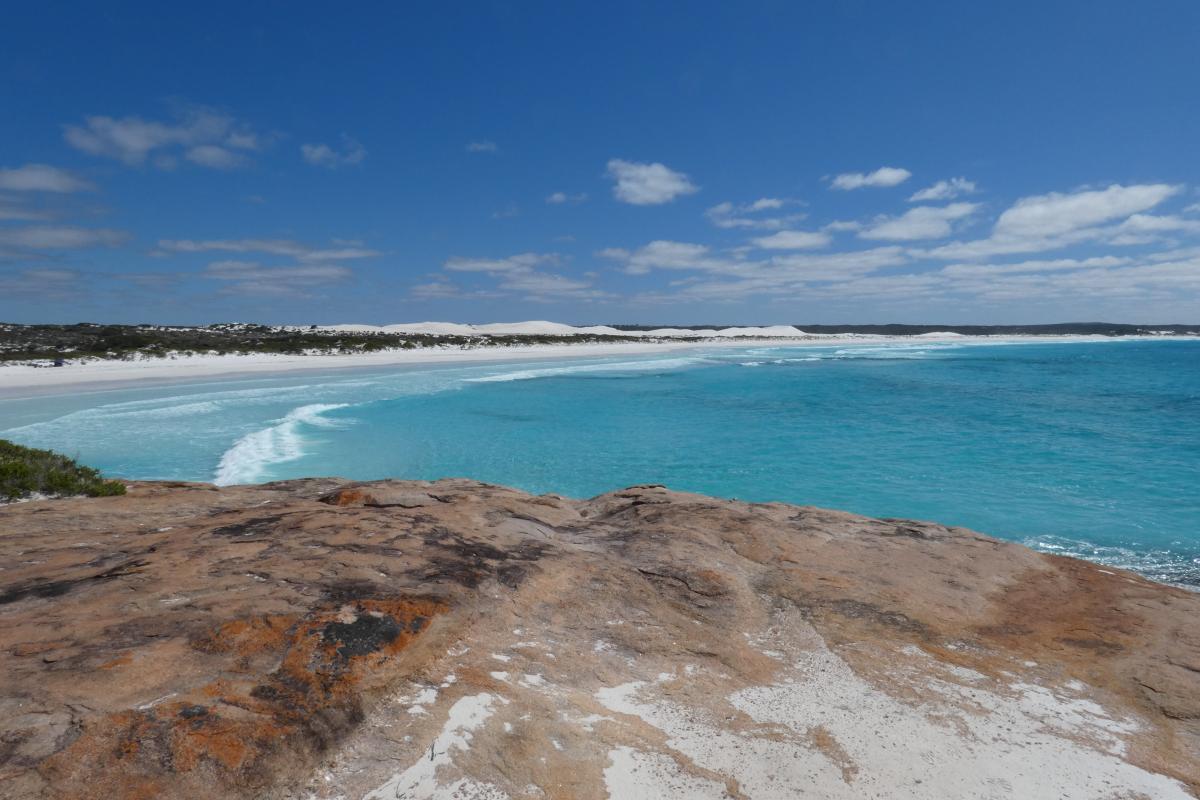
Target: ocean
1087, 448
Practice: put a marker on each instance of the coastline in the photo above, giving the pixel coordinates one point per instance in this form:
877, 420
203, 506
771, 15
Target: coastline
24, 381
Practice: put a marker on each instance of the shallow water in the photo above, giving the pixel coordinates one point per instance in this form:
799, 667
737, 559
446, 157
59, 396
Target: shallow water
1089, 448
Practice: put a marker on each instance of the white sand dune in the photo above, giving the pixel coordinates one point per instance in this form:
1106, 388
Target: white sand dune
547, 328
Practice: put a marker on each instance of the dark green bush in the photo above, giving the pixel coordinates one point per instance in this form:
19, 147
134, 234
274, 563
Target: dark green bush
25, 471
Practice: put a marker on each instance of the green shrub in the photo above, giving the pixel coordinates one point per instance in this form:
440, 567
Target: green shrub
25, 471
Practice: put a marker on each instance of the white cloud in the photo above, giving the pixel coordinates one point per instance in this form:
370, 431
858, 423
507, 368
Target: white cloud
60, 237
41, 178
14, 213
546, 285
944, 190
195, 131
648, 184
1056, 220
1056, 214
42, 284
562, 198
517, 274
882, 177
1035, 265
279, 247
663, 254
774, 274
482, 147
835, 266
251, 277
517, 263
729, 215
922, 222
435, 289
252, 270
310, 266
794, 240
215, 156
322, 155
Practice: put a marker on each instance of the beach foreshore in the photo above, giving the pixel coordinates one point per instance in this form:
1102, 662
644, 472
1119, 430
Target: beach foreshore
23, 380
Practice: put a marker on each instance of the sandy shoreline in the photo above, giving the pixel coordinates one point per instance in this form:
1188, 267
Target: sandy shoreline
18, 381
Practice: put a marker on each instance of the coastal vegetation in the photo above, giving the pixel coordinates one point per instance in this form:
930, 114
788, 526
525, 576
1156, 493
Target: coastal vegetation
89, 341
25, 472
93, 341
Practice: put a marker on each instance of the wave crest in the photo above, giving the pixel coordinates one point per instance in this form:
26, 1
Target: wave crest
251, 455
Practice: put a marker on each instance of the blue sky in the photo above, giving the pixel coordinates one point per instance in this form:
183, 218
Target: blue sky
752, 163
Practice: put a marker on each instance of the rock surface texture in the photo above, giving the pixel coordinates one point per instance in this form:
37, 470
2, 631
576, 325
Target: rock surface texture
328, 639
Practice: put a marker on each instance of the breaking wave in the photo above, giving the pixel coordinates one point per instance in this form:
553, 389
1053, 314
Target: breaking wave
254, 453
659, 365
1175, 566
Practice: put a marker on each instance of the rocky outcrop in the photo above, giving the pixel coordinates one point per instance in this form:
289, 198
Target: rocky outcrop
325, 639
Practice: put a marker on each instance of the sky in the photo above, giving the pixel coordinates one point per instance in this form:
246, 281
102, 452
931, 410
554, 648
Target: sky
654, 163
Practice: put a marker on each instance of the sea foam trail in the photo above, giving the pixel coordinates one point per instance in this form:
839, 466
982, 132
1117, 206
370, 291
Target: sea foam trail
251, 455
624, 366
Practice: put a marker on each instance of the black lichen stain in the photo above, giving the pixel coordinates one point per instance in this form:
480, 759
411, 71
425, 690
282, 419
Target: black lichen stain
469, 563
58, 588
366, 634
256, 526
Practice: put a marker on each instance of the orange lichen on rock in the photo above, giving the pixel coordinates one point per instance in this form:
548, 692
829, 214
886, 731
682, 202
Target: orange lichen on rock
346, 497
227, 729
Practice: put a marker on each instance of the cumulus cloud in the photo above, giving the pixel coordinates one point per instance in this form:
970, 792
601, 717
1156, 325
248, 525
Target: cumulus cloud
944, 190
1055, 220
666, 254
322, 155
518, 263
922, 222
647, 184
1054, 214
794, 240
42, 178
882, 177
518, 274
749, 215
757, 276
203, 136
483, 146
562, 198
215, 156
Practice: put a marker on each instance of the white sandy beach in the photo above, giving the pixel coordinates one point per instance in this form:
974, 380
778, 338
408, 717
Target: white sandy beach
22, 380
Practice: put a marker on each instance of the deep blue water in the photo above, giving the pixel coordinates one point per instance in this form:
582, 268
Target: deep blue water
1091, 449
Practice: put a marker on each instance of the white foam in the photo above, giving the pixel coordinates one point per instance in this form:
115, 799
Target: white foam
624, 366
254, 453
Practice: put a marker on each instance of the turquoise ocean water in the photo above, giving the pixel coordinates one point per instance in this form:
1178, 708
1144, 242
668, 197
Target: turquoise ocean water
1090, 448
